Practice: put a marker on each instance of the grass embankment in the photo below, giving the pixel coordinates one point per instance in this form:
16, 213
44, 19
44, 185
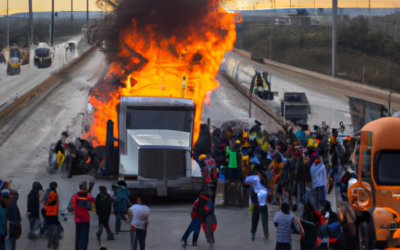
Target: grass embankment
368, 48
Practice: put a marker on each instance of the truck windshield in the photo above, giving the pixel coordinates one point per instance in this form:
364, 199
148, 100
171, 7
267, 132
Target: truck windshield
387, 167
165, 118
15, 53
42, 52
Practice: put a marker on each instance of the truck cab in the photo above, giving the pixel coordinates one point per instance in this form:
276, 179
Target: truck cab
43, 56
375, 195
155, 142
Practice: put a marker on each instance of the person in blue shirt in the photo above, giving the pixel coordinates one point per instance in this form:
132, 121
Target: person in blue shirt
120, 204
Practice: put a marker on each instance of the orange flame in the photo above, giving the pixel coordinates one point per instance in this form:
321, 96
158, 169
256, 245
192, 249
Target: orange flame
157, 67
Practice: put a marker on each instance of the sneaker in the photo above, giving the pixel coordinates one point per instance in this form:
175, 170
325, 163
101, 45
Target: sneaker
266, 240
194, 243
116, 232
253, 237
184, 243
110, 237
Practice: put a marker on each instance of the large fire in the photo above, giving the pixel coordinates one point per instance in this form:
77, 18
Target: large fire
158, 65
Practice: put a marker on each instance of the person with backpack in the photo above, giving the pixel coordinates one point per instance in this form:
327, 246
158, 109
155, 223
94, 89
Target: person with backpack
82, 202
120, 204
54, 229
205, 209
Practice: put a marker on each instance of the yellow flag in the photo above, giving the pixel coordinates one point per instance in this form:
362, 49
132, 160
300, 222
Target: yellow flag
60, 159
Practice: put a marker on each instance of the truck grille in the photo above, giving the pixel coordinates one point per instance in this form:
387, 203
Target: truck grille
162, 163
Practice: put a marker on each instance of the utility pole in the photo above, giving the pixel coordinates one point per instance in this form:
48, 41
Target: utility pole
8, 28
87, 11
52, 22
72, 10
290, 6
334, 42
369, 6
315, 12
30, 23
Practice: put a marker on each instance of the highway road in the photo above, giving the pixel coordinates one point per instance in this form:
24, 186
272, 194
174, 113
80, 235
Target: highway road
14, 86
23, 156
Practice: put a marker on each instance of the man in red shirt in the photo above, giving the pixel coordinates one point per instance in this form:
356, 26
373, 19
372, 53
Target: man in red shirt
82, 202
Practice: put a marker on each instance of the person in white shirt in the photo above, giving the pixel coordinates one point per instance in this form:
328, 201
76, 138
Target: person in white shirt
285, 221
140, 221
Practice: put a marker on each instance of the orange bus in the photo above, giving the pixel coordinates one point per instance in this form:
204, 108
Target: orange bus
375, 195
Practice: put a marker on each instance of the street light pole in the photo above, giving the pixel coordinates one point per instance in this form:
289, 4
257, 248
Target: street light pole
334, 41
30, 23
8, 28
52, 22
87, 11
72, 10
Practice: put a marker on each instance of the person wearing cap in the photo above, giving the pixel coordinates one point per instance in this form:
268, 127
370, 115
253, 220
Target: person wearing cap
33, 205
82, 202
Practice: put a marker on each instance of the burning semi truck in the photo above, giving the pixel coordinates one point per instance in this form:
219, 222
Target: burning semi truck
145, 119
155, 139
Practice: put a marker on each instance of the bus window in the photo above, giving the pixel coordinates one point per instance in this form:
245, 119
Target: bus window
386, 165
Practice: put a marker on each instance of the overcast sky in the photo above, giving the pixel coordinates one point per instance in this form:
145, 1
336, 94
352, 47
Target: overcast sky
16, 6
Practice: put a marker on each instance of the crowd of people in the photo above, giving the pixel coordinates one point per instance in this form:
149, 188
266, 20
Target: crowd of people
43, 214
291, 169
288, 168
